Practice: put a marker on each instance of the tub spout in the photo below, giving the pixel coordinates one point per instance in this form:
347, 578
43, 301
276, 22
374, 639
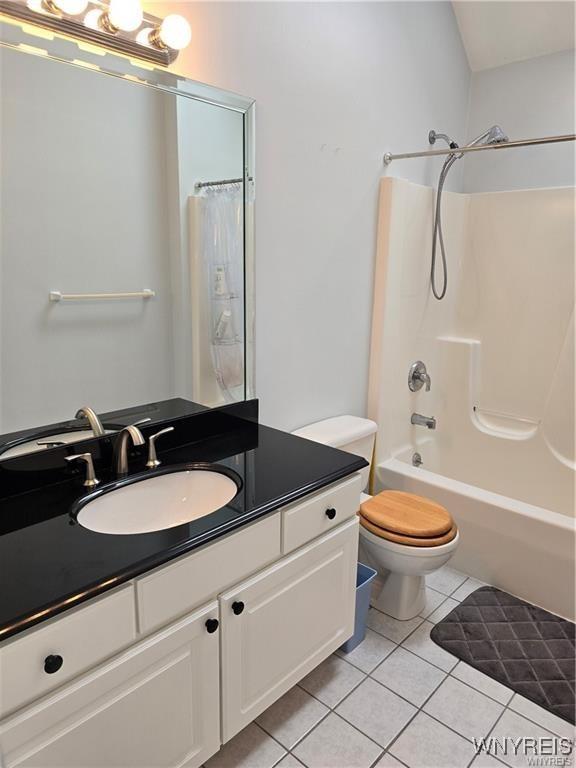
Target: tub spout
423, 421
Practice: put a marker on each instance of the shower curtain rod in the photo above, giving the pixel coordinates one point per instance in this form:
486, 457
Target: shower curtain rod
388, 157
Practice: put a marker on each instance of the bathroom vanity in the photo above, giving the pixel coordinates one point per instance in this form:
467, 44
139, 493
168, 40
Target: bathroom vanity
171, 642
129, 649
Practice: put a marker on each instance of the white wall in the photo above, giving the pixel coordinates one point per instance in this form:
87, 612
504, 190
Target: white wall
62, 126
337, 85
528, 99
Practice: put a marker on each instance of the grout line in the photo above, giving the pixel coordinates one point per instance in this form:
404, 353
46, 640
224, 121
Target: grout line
275, 739
380, 756
477, 689
488, 734
408, 650
535, 722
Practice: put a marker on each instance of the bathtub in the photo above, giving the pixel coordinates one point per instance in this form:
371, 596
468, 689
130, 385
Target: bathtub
521, 548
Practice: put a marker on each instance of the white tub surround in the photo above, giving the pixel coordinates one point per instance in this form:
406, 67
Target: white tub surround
499, 350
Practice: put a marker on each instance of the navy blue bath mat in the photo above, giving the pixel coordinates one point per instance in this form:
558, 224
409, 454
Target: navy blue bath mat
527, 649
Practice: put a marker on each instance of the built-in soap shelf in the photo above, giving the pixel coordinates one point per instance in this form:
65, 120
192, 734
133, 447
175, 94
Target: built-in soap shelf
505, 425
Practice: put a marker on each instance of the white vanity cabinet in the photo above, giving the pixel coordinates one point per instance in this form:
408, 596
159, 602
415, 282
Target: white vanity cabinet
279, 625
156, 688
157, 704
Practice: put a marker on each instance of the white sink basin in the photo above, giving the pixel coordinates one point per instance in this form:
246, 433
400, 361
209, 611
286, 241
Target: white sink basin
158, 502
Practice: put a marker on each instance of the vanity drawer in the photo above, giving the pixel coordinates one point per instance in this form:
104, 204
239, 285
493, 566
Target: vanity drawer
175, 589
80, 639
319, 513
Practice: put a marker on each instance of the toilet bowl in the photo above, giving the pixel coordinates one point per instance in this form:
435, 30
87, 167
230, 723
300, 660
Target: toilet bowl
409, 536
400, 587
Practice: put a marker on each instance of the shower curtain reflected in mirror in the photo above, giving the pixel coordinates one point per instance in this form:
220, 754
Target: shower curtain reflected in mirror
220, 252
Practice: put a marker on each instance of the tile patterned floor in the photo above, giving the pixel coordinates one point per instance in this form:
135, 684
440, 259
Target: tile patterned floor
396, 701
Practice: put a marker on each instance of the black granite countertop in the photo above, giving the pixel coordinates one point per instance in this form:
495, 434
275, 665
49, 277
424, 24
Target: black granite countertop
49, 563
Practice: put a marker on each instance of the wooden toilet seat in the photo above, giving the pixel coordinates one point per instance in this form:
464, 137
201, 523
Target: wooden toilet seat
405, 518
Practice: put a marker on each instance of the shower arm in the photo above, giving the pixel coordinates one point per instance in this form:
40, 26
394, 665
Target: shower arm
389, 157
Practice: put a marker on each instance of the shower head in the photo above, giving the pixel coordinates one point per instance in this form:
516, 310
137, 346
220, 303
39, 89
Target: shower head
494, 135
433, 137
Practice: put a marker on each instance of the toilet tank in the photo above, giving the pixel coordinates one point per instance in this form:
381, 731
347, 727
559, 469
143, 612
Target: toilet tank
349, 433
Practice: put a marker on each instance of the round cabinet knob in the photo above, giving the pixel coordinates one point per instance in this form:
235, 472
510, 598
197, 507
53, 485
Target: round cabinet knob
212, 625
331, 513
238, 607
53, 663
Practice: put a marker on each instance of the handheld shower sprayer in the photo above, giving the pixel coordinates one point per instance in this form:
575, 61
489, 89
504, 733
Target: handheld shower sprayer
494, 135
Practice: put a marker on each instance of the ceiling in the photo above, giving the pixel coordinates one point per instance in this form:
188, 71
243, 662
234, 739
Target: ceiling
502, 31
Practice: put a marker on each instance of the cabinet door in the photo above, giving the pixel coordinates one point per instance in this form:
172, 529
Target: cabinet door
279, 625
156, 704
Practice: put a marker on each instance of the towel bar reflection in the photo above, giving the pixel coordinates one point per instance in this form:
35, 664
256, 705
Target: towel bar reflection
59, 296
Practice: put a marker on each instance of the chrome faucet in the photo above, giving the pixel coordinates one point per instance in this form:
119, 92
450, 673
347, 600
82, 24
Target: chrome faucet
418, 376
423, 421
93, 420
121, 448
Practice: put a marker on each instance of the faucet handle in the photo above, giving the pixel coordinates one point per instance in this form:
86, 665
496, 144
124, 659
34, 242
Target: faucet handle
142, 421
153, 462
91, 480
418, 376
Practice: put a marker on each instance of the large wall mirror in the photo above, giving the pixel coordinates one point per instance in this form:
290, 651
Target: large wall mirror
125, 244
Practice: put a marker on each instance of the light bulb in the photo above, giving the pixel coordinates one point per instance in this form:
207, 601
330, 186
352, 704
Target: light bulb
125, 14
175, 32
71, 7
92, 19
143, 36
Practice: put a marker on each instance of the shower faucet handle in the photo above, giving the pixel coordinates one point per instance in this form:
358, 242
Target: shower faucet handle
418, 377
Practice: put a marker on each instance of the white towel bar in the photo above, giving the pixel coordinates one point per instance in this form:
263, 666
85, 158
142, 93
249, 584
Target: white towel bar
59, 296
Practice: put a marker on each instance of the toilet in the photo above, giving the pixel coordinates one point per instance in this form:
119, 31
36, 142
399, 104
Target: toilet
403, 536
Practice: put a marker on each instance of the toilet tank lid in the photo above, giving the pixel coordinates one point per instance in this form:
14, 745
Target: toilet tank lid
338, 431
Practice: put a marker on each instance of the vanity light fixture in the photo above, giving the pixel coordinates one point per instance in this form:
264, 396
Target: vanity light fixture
120, 25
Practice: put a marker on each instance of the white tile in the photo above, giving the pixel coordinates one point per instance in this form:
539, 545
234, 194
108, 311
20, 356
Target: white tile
514, 726
409, 675
445, 580
469, 586
483, 761
466, 711
336, 744
443, 610
541, 716
376, 711
391, 628
289, 762
371, 651
251, 748
292, 717
433, 600
388, 761
332, 680
420, 643
482, 682
427, 743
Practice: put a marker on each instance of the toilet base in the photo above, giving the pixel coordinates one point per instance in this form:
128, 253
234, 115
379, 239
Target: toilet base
400, 595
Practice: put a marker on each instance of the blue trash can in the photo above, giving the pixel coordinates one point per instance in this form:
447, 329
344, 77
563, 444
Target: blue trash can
364, 578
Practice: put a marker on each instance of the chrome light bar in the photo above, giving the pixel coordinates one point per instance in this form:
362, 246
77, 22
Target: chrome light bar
92, 22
